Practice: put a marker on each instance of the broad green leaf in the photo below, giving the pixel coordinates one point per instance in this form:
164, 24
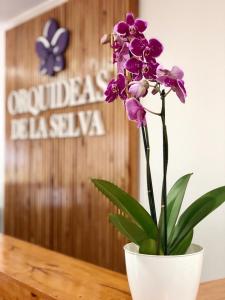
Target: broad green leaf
183, 246
128, 205
148, 246
174, 201
132, 231
196, 212
161, 228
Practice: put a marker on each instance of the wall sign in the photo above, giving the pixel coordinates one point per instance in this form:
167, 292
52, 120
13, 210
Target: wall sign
56, 95
51, 47
60, 94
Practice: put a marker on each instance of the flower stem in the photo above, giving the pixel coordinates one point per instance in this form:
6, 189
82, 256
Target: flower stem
152, 112
148, 172
168, 92
165, 165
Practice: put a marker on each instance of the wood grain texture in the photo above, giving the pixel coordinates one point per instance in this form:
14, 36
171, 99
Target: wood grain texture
213, 290
49, 199
29, 272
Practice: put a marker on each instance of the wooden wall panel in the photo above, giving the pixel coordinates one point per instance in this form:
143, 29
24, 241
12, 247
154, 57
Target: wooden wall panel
49, 199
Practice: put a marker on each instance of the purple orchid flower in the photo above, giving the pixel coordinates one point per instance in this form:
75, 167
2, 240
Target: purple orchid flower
138, 89
51, 46
139, 68
146, 49
131, 27
173, 79
116, 88
135, 111
120, 53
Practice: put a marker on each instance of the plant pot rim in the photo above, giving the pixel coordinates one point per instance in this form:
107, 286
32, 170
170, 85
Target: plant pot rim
194, 249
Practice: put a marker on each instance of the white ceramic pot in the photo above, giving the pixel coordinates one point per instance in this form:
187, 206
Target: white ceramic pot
154, 277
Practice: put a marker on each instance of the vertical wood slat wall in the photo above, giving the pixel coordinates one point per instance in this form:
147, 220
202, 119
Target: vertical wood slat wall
49, 199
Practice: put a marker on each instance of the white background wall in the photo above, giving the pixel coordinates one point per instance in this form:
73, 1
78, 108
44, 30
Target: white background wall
193, 34
2, 119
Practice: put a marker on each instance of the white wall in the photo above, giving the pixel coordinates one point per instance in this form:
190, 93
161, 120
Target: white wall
193, 35
2, 120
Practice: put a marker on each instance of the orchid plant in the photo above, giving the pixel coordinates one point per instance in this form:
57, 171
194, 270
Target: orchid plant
140, 74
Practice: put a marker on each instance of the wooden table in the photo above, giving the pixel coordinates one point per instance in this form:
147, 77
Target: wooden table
28, 272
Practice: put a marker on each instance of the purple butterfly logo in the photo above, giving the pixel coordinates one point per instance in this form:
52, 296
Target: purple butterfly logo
51, 46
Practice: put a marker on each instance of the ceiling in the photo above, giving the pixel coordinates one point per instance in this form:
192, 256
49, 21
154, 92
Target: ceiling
12, 8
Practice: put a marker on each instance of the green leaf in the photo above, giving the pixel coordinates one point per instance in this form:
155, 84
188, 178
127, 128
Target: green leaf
174, 201
128, 205
183, 246
196, 212
149, 246
132, 231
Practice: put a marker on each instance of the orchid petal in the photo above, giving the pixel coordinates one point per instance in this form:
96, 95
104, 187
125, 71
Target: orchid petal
133, 65
170, 82
137, 46
110, 98
161, 79
149, 70
161, 71
177, 73
122, 58
181, 91
141, 25
132, 106
130, 19
121, 27
155, 47
116, 88
141, 120
121, 81
135, 111
110, 95
123, 95
138, 76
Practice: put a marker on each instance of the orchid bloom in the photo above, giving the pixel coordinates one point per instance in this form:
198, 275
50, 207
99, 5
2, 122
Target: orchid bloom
146, 49
131, 27
135, 111
120, 53
138, 89
115, 88
172, 79
139, 68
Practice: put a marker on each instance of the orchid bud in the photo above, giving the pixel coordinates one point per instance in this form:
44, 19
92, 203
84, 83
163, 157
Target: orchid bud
155, 90
135, 111
138, 88
105, 39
